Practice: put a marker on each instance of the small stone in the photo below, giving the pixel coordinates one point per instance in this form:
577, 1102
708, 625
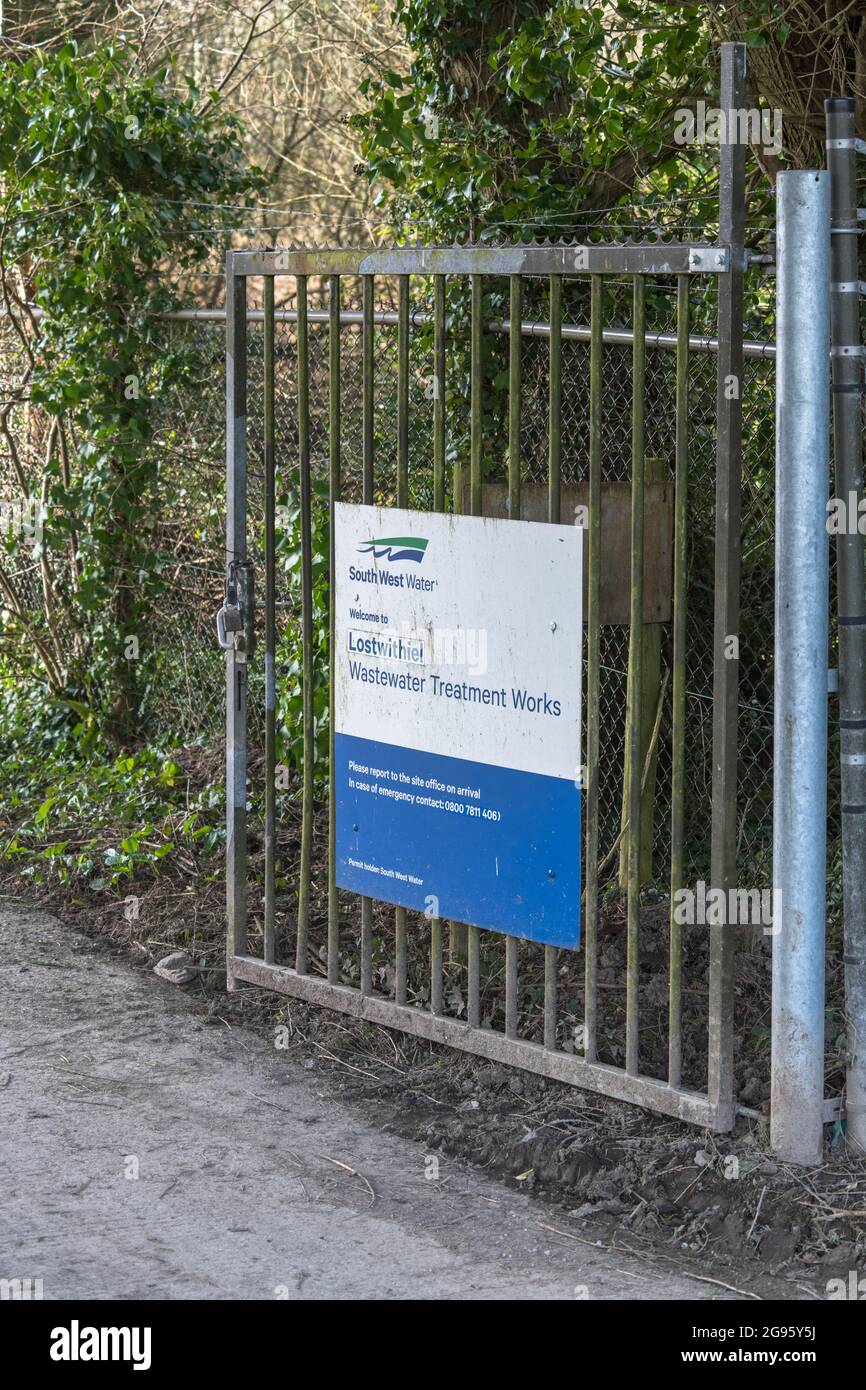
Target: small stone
177, 968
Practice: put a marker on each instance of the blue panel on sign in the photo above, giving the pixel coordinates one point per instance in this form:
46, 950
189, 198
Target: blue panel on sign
491, 846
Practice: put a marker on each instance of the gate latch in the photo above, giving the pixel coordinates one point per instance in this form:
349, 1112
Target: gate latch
235, 620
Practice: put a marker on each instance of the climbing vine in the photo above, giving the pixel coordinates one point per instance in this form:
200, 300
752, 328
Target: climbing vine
108, 178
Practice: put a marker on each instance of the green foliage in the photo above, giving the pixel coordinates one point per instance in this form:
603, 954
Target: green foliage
290, 727
532, 120
521, 116
107, 175
74, 812
547, 119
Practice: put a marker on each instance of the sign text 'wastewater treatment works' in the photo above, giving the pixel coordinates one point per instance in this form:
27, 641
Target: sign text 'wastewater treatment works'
457, 731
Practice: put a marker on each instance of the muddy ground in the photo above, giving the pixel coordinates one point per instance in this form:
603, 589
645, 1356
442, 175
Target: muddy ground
153, 1149
718, 1208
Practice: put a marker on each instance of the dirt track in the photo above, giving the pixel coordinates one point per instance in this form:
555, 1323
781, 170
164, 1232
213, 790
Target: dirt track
250, 1183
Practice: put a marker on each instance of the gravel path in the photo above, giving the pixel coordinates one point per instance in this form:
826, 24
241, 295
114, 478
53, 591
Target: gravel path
148, 1152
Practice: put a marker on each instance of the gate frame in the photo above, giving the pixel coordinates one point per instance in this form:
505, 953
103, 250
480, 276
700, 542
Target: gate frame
715, 1109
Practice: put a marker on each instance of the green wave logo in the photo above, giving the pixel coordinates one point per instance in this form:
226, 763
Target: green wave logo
393, 548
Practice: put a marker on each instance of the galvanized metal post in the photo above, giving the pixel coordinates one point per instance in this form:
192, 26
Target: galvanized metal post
800, 719
236, 669
847, 359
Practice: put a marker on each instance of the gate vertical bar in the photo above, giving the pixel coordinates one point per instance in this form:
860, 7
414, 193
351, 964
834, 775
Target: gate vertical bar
800, 718
726, 618
554, 514
472, 935
678, 697
847, 359
236, 672
515, 386
476, 387
593, 651
306, 868
368, 369
401, 949
270, 628
334, 403
515, 403
515, 300
635, 679
554, 402
439, 365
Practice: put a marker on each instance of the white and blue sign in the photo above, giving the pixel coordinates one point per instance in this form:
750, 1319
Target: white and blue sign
457, 732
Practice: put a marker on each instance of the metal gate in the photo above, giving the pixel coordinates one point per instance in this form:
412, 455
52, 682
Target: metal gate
437, 294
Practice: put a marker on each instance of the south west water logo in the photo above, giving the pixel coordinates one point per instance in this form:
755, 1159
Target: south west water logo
393, 548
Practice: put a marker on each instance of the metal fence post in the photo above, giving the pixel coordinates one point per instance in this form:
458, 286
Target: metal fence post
236, 671
847, 358
800, 706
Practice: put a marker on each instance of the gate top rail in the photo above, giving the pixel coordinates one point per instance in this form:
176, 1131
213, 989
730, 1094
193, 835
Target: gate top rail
634, 258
